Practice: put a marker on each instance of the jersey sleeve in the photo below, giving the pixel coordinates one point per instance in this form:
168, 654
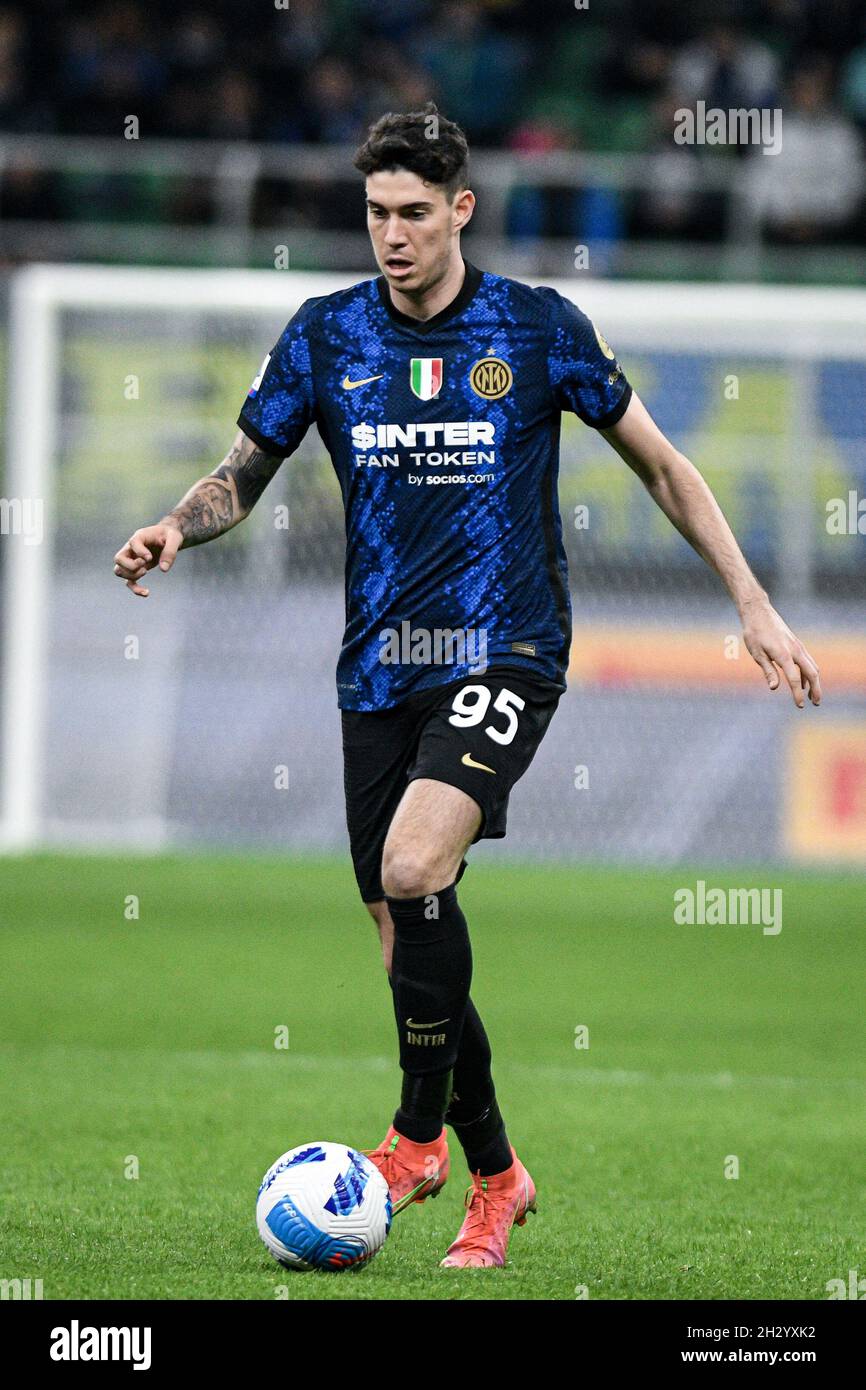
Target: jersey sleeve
281, 403
585, 376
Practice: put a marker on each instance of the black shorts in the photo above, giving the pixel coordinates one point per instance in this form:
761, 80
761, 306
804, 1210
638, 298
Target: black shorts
479, 734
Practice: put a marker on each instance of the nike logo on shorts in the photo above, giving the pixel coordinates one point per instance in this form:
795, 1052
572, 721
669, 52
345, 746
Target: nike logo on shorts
468, 761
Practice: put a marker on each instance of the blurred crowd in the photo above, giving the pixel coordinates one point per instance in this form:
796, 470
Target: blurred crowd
518, 75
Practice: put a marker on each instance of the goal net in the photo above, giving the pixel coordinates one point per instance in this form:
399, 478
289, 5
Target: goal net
206, 715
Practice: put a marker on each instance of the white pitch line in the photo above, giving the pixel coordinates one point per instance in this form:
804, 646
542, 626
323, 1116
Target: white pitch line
578, 1074
600, 1076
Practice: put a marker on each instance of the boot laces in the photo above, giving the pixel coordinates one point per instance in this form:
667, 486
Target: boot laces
482, 1206
390, 1166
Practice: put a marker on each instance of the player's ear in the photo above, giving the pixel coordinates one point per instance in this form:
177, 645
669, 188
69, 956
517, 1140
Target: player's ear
463, 208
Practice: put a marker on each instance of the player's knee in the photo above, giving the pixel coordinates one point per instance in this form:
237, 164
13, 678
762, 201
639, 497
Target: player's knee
411, 873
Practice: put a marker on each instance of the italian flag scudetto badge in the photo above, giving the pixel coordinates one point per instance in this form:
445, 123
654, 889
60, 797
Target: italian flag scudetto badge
425, 376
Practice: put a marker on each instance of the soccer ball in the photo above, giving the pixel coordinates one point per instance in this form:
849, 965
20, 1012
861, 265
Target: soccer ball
323, 1206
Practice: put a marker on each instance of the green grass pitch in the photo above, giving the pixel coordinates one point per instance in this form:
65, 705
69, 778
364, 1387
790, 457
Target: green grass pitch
155, 1038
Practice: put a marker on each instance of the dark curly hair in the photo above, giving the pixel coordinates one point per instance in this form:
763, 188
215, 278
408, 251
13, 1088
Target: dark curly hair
423, 142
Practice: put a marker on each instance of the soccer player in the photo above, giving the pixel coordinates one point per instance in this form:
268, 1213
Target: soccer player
437, 390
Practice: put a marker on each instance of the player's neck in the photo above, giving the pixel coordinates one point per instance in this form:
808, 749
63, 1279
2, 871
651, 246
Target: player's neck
428, 304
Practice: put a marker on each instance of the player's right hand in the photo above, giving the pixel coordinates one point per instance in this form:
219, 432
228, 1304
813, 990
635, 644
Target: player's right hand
146, 548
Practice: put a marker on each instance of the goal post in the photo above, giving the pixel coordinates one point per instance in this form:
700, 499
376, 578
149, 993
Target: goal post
681, 339
32, 417
39, 296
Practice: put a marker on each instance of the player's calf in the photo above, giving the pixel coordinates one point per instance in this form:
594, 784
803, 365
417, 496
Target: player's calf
431, 974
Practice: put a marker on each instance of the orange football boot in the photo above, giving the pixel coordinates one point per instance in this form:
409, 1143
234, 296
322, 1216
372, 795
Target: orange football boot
412, 1171
495, 1204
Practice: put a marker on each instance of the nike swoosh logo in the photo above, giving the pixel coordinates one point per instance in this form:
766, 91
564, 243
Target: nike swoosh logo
468, 761
437, 1024
365, 381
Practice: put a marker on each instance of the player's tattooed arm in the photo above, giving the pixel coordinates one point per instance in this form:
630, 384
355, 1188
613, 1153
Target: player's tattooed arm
218, 502
213, 505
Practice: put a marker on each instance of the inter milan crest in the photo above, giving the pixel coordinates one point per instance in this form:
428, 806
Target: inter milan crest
491, 378
425, 377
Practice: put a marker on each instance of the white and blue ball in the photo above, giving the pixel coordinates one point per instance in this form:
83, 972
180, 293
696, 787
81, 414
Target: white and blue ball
323, 1206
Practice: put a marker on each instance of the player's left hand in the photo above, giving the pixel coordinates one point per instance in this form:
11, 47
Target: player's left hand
772, 644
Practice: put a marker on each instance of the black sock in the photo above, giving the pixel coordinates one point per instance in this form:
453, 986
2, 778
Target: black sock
423, 1102
484, 1142
431, 973
473, 1112
473, 1083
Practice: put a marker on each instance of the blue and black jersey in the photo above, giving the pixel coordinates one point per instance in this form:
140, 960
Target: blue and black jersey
444, 435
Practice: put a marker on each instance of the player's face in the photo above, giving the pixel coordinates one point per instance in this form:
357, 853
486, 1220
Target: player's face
414, 228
